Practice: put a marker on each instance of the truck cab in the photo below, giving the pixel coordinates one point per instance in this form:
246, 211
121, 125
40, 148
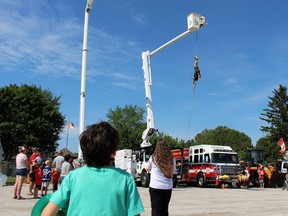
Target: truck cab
134, 161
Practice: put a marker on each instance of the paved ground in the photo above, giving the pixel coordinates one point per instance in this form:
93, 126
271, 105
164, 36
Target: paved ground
185, 202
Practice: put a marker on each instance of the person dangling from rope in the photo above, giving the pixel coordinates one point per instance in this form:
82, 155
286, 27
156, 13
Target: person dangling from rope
197, 72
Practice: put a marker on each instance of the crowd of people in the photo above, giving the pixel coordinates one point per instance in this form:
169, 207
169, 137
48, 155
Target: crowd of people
98, 187
40, 172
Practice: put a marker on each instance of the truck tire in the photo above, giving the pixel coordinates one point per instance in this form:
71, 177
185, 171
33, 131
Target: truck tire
145, 179
201, 180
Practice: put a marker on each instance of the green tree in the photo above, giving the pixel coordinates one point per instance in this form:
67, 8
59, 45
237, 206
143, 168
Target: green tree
264, 144
172, 142
276, 117
223, 135
129, 121
29, 116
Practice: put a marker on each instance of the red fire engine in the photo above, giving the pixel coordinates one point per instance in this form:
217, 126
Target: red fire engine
207, 164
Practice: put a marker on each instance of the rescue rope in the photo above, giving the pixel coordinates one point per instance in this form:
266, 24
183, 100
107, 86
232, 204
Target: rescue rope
194, 89
196, 43
190, 115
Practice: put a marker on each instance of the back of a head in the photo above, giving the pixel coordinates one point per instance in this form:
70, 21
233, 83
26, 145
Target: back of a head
21, 149
98, 142
35, 150
67, 157
162, 148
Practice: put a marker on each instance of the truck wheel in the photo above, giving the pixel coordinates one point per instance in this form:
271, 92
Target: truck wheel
201, 180
145, 179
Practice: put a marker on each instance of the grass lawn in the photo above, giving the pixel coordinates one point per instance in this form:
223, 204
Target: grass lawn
10, 180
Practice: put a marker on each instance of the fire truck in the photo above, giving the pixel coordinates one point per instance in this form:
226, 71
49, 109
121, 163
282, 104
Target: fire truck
208, 164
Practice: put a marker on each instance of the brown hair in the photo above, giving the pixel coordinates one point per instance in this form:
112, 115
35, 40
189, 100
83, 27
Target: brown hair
163, 158
98, 142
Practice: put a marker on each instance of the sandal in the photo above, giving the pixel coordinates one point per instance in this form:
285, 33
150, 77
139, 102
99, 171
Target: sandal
30, 194
15, 197
20, 198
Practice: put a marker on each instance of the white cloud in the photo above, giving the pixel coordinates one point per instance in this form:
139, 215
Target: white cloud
140, 19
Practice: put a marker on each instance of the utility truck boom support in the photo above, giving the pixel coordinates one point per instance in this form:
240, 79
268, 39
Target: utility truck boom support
194, 23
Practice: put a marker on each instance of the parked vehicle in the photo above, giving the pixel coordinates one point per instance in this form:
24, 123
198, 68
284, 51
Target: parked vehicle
275, 172
134, 161
208, 164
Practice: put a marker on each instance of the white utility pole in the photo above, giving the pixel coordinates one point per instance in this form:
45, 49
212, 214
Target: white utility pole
83, 74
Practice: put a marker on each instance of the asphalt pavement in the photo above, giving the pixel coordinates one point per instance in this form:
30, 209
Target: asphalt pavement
185, 201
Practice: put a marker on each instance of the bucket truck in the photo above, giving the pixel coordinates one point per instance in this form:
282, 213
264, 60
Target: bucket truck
135, 160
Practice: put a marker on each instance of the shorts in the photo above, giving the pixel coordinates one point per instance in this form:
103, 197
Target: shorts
21, 172
261, 181
45, 184
32, 177
38, 186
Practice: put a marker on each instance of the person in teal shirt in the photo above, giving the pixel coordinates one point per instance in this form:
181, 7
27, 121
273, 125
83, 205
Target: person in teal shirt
98, 188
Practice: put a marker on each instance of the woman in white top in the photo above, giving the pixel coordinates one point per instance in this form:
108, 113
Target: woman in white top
161, 165
22, 164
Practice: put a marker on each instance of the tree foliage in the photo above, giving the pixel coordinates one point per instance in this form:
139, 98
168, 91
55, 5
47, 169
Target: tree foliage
171, 141
129, 122
264, 144
29, 116
223, 135
276, 117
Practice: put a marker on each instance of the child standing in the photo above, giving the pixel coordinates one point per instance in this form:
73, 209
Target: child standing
115, 189
38, 177
46, 177
261, 173
55, 179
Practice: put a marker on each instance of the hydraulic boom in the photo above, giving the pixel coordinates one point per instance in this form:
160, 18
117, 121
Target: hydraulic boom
194, 22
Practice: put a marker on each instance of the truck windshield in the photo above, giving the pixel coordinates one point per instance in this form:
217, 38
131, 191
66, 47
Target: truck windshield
256, 156
224, 158
147, 156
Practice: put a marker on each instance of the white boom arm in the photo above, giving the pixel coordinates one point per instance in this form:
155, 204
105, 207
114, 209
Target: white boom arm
146, 135
195, 22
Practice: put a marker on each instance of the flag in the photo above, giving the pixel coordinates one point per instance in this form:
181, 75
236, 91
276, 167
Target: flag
71, 125
281, 143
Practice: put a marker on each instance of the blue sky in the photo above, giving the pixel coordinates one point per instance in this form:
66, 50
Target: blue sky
243, 57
